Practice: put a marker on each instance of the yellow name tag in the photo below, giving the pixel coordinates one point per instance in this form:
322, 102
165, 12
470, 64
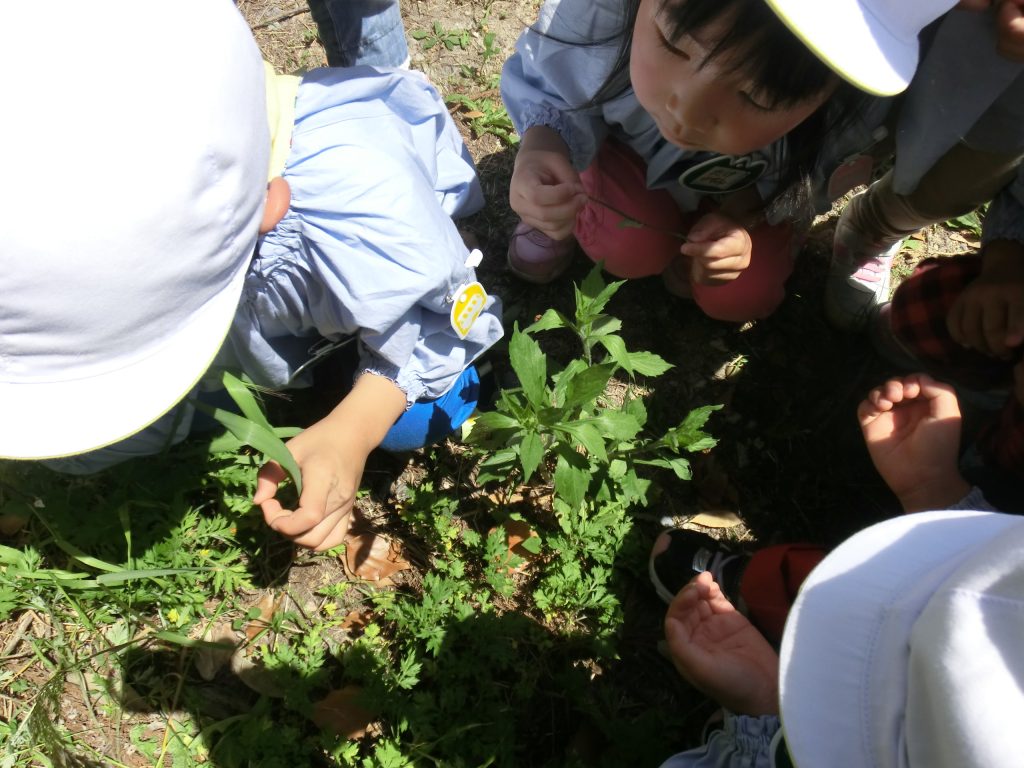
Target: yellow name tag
467, 305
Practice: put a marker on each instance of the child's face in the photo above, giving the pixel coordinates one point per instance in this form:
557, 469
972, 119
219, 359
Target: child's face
699, 104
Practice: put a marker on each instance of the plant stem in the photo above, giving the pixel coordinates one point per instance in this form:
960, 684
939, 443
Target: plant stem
629, 221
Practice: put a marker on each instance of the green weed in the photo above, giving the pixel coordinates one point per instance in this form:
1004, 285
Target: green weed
438, 35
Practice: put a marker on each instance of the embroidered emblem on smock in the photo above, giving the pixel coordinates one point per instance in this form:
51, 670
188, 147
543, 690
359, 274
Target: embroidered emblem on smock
724, 173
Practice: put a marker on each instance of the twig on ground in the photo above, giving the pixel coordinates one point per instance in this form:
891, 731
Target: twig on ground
19, 632
280, 17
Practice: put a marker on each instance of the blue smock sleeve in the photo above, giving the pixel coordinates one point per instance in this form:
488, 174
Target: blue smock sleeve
744, 741
558, 65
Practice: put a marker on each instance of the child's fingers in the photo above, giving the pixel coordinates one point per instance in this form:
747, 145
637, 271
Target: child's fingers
1010, 30
992, 333
311, 511
328, 533
551, 195
1014, 325
941, 396
268, 479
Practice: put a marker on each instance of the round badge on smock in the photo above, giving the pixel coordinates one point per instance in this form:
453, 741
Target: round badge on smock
724, 173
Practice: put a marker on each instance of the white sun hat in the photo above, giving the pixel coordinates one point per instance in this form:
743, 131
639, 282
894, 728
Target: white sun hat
871, 43
905, 647
136, 150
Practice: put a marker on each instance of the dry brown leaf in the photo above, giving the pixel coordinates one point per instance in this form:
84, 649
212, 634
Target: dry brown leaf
11, 524
516, 532
340, 712
717, 518
473, 114
373, 557
13, 517
210, 660
268, 605
356, 620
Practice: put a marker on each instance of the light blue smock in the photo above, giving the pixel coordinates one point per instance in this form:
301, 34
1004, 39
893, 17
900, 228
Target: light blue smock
377, 169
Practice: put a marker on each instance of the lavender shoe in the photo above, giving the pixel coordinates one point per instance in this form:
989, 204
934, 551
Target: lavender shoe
535, 257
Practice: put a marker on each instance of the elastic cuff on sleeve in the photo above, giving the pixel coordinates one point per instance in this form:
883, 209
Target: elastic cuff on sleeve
974, 500
548, 116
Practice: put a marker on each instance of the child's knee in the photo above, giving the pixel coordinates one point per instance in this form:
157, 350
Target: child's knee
761, 287
625, 225
431, 421
733, 302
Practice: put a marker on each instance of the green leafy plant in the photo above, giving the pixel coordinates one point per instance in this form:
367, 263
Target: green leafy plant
564, 426
485, 115
438, 35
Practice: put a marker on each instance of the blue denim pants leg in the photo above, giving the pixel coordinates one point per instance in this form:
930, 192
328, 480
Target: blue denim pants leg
361, 32
430, 421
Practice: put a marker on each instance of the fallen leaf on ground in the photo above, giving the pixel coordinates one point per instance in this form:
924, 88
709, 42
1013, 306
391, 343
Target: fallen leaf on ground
718, 518
356, 620
373, 557
517, 533
268, 605
210, 660
340, 712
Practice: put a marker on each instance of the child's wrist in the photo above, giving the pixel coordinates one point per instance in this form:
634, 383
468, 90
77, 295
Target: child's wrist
940, 494
541, 138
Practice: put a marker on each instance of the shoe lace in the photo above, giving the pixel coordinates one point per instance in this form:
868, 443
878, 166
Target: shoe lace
712, 560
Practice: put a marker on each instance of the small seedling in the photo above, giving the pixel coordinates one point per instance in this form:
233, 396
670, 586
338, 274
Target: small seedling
438, 35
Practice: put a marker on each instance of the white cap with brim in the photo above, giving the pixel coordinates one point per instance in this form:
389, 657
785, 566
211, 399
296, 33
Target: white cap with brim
905, 647
137, 149
871, 43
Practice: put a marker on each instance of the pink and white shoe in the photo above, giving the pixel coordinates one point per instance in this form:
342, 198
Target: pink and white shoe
535, 257
858, 277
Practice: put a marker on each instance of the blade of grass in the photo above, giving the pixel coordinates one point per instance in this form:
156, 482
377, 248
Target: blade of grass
244, 399
257, 436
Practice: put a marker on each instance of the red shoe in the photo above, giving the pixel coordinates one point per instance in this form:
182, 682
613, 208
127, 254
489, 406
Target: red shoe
535, 257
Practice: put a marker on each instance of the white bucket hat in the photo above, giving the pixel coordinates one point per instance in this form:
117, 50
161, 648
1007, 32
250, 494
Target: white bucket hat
871, 43
136, 152
905, 647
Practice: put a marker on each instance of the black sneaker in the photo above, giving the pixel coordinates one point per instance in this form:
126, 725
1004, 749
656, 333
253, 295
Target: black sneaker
679, 554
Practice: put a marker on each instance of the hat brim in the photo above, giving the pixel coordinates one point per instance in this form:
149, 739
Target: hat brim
852, 43
44, 420
843, 659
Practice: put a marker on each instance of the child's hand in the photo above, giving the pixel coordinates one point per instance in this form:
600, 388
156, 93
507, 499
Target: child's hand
331, 455
1009, 25
332, 465
545, 189
911, 426
719, 249
720, 652
1010, 29
989, 315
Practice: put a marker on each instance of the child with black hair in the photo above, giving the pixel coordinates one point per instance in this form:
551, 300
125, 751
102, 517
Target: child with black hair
694, 118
